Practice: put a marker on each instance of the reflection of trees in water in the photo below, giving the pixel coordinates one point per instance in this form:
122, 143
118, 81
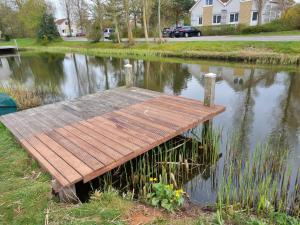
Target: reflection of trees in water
289, 121
158, 75
44, 72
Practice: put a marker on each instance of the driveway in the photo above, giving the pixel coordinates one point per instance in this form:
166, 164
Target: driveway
212, 38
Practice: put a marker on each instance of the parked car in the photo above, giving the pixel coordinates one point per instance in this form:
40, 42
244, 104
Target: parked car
166, 32
187, 31
108, 32
80, 34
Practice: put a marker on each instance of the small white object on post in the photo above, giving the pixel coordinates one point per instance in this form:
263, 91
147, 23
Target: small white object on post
129, 75
209, 89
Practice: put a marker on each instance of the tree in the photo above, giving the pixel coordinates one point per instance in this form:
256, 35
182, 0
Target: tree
145, 23
81, 14
127, 19
47, 29
69, 9
260, 6
114, 9
181, 8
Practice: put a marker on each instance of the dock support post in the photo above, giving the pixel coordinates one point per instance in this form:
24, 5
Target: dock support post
129, 75
209, 98
65, 194
209, 89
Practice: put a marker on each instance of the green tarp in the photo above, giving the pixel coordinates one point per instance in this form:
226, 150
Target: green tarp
7, 104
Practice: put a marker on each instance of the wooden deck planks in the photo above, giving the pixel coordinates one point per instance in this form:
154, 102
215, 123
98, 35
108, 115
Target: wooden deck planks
84, 138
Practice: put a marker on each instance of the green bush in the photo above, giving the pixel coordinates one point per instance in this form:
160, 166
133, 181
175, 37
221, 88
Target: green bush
165, 196
221, 29
6, 37
94, 32
276, 25
138, 32
292, 17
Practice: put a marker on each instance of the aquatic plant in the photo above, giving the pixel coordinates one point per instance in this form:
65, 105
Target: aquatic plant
24, 97
260, 180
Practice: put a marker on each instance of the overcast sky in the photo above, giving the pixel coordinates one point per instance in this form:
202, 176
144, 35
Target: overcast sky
59, 12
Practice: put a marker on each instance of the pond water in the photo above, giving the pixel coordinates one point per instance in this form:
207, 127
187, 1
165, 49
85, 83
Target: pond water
259, 101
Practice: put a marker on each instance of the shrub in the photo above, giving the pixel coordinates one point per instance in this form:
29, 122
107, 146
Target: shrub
94, 32
221, 29
292, 17
276, 25
6, 37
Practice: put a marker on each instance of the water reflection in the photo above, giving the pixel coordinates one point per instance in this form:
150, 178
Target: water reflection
259, 101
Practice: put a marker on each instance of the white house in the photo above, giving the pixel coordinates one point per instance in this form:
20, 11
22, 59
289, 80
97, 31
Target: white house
219, 12
63, 28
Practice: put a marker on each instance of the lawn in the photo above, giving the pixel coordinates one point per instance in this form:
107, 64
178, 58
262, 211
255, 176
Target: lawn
284, 53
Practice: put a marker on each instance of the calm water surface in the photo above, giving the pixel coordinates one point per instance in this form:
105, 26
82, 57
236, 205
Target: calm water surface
259, 101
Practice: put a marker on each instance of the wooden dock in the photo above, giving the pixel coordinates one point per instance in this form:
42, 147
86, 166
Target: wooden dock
81, 139
8, 49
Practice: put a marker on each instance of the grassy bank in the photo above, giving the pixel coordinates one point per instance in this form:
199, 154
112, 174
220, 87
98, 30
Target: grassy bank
285, 53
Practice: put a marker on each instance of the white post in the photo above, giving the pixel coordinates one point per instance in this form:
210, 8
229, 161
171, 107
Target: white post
16, 44
209, 89
129, 75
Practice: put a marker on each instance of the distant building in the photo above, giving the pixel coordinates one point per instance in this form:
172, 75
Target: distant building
63, 28
220, 12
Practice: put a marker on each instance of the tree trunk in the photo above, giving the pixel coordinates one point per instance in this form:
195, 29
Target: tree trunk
145, 20
129, 30
159, 22
68, 17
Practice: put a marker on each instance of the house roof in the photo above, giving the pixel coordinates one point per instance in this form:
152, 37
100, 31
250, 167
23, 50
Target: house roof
60, 21
224, 2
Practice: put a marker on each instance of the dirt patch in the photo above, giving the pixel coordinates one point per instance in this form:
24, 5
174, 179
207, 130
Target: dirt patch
143, 214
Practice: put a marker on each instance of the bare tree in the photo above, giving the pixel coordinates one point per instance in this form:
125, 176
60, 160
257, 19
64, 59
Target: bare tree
114, 11
68, 8
81, 13
145, 23
128, 22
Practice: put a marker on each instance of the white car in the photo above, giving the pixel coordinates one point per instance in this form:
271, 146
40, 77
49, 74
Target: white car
108, 32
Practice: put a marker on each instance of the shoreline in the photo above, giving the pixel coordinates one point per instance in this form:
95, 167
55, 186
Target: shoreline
231, 57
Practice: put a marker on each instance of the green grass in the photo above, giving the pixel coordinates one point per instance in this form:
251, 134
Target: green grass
285, 53
277, 33
25, 194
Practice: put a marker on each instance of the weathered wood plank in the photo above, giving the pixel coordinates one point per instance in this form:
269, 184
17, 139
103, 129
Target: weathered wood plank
83, 138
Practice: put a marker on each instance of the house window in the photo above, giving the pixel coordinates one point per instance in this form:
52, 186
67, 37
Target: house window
254, 16
209, 2
63, 31
217, 19
234, 17
200, 20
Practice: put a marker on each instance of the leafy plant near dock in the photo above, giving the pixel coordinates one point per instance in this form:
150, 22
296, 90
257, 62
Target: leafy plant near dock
165, 196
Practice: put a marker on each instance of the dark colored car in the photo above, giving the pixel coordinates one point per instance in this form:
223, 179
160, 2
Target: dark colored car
187, 31
166, 32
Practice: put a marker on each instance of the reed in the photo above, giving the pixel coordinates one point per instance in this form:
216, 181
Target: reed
260, 180
257, 180
24, 97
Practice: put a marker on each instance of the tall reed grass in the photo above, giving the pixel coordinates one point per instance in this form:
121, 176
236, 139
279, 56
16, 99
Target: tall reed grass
24, 97
259, 180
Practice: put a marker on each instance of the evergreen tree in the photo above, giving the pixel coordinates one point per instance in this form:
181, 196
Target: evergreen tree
47, 30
